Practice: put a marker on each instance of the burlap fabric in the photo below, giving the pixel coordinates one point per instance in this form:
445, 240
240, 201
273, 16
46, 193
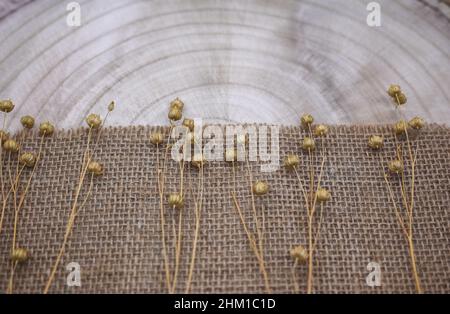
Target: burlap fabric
117, 237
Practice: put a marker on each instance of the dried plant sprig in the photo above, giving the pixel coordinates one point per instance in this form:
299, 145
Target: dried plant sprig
26, 160
316, 194
404, 211
198, 204
258, 188
89, 168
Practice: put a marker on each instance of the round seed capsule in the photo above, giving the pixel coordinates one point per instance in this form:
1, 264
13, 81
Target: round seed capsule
400, 127
291, 161
323, 195
6, 105
174, 114
46, 129
394, 90
395, 166
401, 99
299, 253
375, 142
176, 104
306, 120
308, 144
156, 138
28, 159
94, 121
321, 130
189, 123
416, 123
95, 168
11, 145
176, 200
260, 187
19, 255
27, 122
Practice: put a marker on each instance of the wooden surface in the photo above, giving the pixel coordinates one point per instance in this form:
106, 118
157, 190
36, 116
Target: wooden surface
230, 61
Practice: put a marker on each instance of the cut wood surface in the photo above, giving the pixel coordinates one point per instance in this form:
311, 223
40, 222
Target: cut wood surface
230, 61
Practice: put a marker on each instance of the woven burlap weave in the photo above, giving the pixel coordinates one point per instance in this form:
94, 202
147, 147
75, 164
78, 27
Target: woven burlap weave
117, 236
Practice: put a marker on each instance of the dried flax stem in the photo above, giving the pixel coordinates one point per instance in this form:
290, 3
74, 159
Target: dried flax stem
161, 179
73, 211
198, 209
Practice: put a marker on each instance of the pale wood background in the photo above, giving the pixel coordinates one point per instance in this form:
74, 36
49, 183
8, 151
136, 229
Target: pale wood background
230, 61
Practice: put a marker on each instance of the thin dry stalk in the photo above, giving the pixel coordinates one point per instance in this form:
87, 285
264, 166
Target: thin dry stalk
198, 209
87, 157
161, 186
406, 224
256, 242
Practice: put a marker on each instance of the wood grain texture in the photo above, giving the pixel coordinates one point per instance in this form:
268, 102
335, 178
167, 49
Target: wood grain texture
230, 61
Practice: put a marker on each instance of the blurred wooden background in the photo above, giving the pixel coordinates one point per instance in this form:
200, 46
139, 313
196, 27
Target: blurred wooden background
230, 61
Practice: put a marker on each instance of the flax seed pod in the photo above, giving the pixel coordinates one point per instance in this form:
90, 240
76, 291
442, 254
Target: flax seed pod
94, 121
306, 120
395, 166
46, 129
308, 144
321, 130
27, 122
375, 142
189, 123
156, 138
323, 195
299, 253
95, 168
28, 159
11, 146
260, 188
291, 161
6, 105
176, 200
416, 123
20, 255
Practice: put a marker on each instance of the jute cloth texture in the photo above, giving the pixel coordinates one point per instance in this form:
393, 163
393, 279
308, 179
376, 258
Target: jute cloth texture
116, 238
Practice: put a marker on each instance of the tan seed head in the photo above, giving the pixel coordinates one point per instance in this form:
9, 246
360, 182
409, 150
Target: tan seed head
6, 105
28, 159
46, 129
323, 195
394, 90
395, 166
20, 255
375, 142
291, 161
95, 168
176, 200
27, 122
321, 130
308, 144
306, 120
299, 253
11, 146
94, 121
400, 127
260, 187
416, 123
189, 123
174, 114
176, 104
156, 138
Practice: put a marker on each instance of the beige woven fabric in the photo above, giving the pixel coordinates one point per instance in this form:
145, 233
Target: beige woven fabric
117, 236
